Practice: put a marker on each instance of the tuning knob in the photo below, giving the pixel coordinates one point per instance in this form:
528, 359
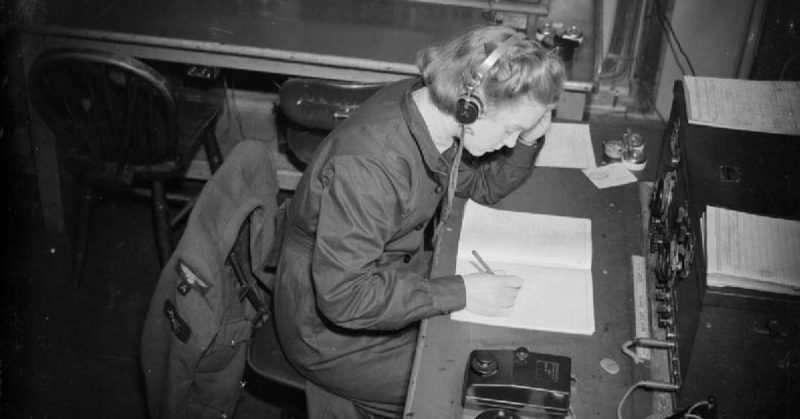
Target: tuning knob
663, 296
521, 354
664, 311
484, 363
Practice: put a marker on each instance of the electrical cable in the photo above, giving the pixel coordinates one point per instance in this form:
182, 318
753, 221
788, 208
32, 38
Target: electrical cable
662, 22
696, 405
452, 182
624, 397
675, 54
671, 32
653, 385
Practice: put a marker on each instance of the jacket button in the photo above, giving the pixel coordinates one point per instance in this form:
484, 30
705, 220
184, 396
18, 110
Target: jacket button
419, 226
407, 258
439, 189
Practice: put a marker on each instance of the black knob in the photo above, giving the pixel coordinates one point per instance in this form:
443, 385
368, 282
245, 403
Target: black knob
484, 363
521, 354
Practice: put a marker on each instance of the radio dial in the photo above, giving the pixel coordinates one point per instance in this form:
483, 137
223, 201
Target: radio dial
484, 363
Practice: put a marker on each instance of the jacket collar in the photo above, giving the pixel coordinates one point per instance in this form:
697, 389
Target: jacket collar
437, 162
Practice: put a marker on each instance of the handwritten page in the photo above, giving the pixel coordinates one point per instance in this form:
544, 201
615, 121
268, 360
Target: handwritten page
568, 146
749, 105
752, 251
553, 254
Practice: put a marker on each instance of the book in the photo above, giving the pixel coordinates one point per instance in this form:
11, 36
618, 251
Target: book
553, 255
751, 251
747, 105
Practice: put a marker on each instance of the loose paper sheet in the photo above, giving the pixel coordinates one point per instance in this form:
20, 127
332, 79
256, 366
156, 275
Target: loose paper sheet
553, 255
749, 105
752, 251
568, 146
613, 174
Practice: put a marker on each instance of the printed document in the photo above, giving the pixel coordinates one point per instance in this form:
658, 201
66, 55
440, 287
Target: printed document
748, 105
752, 251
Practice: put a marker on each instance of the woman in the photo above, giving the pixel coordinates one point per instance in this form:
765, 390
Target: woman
353, 280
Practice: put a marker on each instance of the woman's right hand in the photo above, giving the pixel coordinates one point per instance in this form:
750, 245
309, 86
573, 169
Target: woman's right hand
491, 295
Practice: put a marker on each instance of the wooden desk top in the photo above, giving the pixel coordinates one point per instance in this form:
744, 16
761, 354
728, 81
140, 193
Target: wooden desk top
372, 34
437, 381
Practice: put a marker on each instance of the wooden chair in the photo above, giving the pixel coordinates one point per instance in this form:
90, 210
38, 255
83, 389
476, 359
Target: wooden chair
116, 121
309, 109
266, 358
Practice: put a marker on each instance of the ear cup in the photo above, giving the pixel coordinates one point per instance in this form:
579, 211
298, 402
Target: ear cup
468, 108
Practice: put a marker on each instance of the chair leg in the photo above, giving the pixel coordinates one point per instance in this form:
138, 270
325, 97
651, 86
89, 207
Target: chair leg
82, 233
163, 230
214, 155
183, 213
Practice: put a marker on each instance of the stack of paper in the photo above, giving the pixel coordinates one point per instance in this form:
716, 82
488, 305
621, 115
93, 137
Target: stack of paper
752, 251
552, 254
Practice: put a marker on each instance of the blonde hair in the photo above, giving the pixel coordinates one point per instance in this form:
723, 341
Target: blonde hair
525, 69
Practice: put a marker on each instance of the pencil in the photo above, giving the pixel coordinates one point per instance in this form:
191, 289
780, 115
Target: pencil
480, 260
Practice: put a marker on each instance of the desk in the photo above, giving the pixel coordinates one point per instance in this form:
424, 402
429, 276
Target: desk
436, 386
355, 40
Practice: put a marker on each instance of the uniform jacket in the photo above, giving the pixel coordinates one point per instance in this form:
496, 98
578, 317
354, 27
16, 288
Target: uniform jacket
197, 328
354, 273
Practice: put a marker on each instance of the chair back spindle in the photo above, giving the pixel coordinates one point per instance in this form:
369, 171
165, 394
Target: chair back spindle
115, 115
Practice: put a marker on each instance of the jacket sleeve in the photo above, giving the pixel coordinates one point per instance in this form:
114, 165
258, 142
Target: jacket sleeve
360, 209
490, 178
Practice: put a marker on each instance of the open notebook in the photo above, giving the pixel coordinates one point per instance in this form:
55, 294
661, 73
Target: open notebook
553, 254
752, 251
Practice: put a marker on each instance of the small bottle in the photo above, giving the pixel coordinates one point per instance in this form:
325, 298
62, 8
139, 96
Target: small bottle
633, 157
633, 140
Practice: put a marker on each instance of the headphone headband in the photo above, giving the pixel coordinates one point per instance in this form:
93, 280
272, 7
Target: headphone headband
490, 61
469, 106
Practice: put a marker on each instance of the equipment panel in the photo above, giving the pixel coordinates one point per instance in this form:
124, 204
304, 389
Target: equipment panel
744, 171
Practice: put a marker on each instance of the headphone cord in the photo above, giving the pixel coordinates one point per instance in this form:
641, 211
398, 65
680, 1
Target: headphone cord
452, 181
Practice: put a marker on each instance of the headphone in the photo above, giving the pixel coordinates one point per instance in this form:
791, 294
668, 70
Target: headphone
468, 105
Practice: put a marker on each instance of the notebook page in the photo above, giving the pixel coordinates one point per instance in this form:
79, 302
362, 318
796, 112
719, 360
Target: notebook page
753, 247
750, 105
526, 238
551, 299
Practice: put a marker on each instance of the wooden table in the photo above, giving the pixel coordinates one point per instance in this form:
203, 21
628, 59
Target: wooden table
435, 390
358, 40
355, 40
